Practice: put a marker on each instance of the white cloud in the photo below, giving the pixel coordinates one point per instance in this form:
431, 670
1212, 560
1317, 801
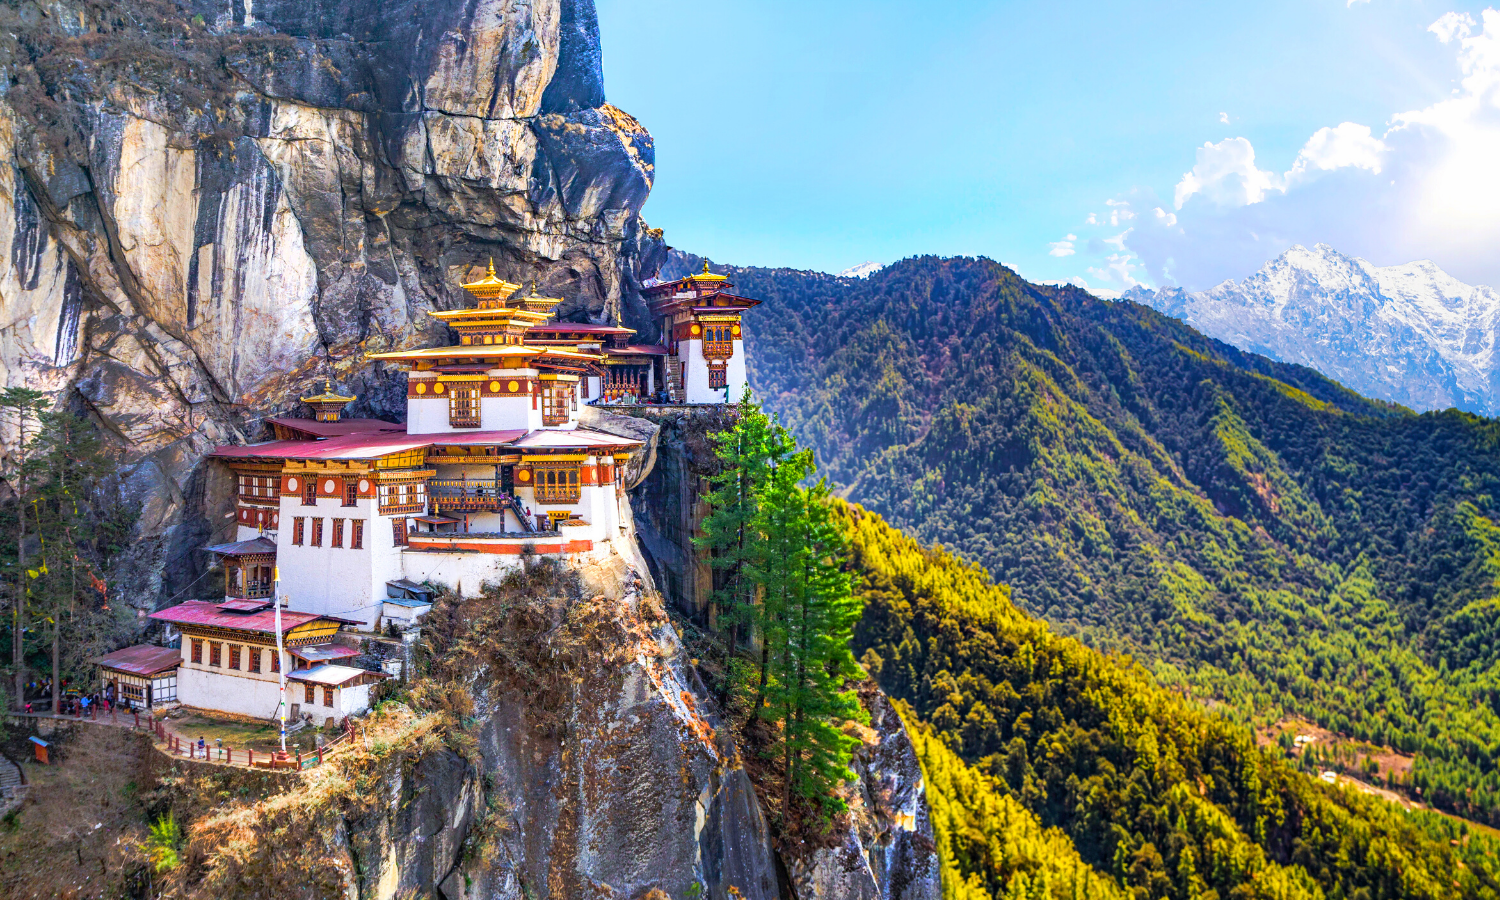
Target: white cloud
1119, 269
1118, 241
1224, 118
1352, 2
1336, 148
1063, 247
1091, 220
1225, 175
1452, 25
1425, 186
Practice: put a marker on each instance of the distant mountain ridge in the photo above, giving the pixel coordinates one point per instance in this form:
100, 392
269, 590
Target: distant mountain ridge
863, 270
1255, 533
1411, 333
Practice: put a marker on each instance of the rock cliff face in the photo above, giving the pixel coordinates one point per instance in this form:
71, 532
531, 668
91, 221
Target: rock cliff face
208, 205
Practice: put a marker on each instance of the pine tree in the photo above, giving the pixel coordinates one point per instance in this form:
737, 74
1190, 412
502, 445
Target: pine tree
821, 630
780, 555
25, 405
744, 453
77, 528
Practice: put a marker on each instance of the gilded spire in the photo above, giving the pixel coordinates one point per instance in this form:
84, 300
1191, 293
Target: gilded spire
327, 404
491, 287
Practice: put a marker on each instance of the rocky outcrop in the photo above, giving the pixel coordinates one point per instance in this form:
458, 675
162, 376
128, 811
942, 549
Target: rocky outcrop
208, 205
888, 852
605, 777
669, 504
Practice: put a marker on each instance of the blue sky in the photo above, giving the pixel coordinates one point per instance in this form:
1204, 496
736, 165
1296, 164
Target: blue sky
822, 134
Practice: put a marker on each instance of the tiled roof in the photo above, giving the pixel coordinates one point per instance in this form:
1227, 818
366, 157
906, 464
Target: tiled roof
142, 659
202, 612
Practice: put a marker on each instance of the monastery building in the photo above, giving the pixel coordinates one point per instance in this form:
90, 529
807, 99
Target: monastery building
360, 516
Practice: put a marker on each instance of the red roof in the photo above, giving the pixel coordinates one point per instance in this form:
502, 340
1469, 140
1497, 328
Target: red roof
578, 328
203, 612
142, 659
364, 446
551, 439
638, 350
336, 429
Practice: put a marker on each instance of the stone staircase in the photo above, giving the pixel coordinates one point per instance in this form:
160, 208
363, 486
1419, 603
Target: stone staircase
675, 393
12, 787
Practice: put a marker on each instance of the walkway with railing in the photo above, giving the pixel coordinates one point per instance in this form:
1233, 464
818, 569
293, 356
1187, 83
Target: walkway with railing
168, 741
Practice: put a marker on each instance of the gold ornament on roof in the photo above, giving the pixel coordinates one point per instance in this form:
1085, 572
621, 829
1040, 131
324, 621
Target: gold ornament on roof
490, 287
327, 405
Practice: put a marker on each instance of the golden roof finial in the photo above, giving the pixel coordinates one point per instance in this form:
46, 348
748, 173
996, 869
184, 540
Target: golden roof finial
705, 267
533, 287
491, 270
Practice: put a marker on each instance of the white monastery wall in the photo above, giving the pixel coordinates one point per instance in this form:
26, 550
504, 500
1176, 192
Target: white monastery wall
232, 691
337, 581
428, 415
736, 377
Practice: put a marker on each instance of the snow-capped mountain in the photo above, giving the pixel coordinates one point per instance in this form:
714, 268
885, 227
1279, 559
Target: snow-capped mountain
863, 270
1409, 333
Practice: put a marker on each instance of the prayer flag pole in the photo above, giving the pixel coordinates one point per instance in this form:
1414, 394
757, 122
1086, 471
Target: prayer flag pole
276, 600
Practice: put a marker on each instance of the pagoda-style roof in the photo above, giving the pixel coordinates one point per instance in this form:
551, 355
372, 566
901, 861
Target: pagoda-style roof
327, 404
702, 282
328, 396
491, 288
537, 303
496, 352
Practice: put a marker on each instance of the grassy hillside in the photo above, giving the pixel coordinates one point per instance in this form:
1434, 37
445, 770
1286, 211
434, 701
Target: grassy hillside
1256, 534
1055, 771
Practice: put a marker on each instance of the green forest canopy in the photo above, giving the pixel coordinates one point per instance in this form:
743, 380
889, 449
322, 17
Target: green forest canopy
1054, 771
1254, 532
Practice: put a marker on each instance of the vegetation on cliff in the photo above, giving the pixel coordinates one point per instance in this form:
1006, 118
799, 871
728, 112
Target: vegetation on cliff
1056, 771
63, 525
781, 556
1258, 535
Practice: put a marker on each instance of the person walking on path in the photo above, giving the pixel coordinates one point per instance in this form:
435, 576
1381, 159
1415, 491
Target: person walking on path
83, 704
202, 747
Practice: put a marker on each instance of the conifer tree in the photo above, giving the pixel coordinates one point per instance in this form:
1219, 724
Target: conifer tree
821, 664
77, 528
780, 552
25, 404
745, 453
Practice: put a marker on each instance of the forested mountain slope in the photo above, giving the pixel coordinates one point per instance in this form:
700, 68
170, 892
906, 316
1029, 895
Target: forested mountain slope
1054, 771
1256, 533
